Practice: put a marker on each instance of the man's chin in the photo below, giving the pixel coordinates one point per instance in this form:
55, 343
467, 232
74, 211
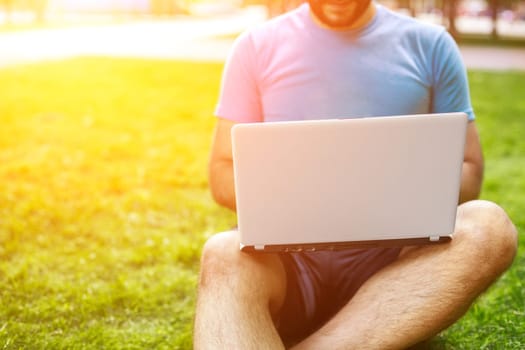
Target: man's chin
337, 21
338, 15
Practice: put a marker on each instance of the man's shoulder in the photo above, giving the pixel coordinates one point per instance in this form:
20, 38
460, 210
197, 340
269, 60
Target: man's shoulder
407, 25
411, 33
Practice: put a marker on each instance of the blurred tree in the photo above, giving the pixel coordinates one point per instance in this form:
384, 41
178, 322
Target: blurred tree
450, 12
408, 5
275, 7
168, 7
494, 6
39, 8
7, 6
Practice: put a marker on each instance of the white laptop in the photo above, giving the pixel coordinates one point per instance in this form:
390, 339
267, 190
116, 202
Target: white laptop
338, 183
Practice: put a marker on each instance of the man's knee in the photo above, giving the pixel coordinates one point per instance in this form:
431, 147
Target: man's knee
223, 260
219, 255
488, 233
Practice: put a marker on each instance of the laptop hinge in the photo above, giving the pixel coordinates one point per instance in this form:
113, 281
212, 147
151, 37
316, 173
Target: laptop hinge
434, 238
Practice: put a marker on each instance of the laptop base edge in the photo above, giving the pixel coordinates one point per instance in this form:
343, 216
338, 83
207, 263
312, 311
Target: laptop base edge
312, 247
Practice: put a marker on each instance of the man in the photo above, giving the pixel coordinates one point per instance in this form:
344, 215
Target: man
333, 58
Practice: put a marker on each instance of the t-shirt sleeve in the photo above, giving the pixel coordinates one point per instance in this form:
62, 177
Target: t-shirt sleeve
239, 96
450, 87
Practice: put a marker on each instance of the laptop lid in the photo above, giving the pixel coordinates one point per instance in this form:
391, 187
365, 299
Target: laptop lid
325, 184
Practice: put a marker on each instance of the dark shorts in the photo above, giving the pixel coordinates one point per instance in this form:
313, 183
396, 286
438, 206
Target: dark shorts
320, 283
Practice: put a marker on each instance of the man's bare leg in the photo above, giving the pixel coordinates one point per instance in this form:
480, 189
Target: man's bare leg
238, 294
427, 288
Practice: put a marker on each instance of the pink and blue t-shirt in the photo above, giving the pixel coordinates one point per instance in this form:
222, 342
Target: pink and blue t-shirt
289, 68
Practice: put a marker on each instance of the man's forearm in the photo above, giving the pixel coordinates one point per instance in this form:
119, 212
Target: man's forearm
222, 184
471, 180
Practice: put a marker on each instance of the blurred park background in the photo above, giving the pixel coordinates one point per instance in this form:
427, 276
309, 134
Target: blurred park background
106, 115
494, 17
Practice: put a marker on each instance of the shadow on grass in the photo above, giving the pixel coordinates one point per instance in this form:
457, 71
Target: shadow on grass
486, 40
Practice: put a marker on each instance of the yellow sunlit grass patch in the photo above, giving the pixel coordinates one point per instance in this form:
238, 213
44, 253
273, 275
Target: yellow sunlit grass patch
103, 199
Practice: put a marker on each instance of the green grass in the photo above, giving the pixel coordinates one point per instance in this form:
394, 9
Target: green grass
104, 204
497, 320
487, 41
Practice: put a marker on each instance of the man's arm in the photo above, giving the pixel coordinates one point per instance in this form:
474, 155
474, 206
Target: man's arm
221, 165
472, 175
